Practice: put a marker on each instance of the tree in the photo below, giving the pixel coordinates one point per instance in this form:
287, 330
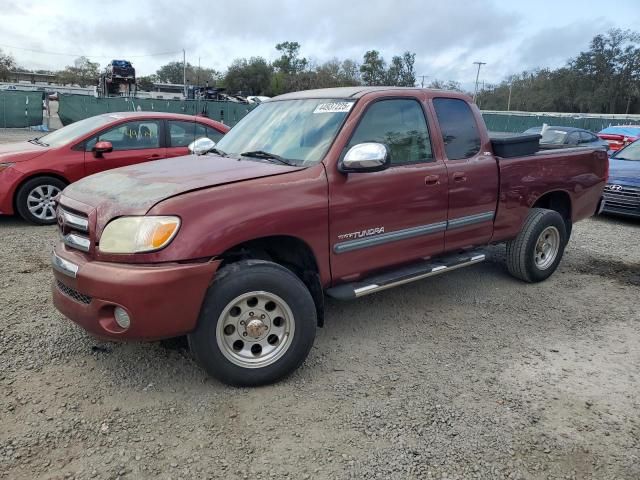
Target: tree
401, 72
445, 85
373, 68
249, 77
146, 82
83, 72
7, 64
290, 62
173, 72
603, 79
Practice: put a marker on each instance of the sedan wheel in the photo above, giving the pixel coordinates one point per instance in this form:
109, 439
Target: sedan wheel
40, 202
35, 199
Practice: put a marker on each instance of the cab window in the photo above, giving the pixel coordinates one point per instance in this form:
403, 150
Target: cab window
459, 129
400, 124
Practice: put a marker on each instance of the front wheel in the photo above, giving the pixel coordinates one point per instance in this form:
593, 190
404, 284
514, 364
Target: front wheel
537, 250
257, 324
34, 200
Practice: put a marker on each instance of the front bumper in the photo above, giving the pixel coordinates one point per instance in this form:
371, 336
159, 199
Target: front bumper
162, 300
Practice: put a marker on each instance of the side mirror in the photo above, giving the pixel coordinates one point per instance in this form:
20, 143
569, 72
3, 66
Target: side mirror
201, 146
365, 157
102, 147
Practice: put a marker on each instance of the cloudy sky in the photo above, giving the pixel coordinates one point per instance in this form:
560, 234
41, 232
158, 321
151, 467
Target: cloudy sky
446, 35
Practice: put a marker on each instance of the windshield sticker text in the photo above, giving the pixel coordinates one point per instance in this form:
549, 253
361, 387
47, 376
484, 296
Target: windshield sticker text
334, 107
361, 233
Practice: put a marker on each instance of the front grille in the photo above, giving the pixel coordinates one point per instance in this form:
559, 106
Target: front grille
622, 197
73, 294
74, 228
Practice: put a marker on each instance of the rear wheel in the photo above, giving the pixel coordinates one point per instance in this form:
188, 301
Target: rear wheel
537, 250
257, 324
34, 200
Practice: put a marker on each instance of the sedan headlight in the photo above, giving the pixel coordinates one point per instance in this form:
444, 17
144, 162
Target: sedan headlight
138, 234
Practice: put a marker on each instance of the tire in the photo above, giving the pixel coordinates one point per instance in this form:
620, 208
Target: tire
34, 200
282, 322
537, 250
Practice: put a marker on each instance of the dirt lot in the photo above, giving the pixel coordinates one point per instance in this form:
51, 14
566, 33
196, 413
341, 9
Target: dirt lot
468, 375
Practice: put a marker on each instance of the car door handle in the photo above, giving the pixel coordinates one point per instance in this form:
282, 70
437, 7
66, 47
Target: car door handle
154, 156
459, 177
432, 180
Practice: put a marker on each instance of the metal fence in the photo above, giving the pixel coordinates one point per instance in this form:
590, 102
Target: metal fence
521, 121
20, 109
77, 107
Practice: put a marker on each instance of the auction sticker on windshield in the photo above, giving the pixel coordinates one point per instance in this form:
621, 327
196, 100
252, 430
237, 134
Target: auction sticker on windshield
334, 107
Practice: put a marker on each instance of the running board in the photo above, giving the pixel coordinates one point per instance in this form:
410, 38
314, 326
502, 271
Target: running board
408, 274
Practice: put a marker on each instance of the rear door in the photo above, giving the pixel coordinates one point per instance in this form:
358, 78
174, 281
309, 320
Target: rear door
133, 142
180, 134
472, 172
380, 219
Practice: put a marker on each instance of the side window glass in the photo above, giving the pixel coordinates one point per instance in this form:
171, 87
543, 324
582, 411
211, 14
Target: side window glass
459, 129
585, 137
401, 125
214, 134
181, 134
574, 138
129, 136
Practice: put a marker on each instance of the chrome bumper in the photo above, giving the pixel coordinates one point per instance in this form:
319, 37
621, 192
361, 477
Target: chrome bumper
64, 266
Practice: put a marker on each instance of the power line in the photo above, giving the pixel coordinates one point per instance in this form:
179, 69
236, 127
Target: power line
89, 56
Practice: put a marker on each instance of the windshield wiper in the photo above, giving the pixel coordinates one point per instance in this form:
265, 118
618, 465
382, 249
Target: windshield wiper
217, 151
268, 156
37, 141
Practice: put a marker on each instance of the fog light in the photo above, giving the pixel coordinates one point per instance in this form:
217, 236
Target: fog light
122, 317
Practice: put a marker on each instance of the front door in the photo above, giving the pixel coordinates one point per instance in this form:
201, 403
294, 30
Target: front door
379, 219
133, 142
473, 176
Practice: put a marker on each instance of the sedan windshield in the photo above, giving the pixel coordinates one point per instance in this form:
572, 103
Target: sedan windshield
75, 131
297, 131
632, 152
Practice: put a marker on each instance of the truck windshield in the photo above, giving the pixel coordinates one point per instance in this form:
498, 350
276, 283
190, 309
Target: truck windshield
299, 131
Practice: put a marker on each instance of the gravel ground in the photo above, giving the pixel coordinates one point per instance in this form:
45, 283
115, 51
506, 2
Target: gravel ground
467, 375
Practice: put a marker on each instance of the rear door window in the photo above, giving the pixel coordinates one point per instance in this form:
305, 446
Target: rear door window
459, 129
181, 134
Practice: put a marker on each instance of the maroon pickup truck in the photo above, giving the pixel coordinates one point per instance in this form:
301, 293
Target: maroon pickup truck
343, 192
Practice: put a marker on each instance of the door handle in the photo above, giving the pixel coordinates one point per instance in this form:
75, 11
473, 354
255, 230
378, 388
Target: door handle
432, 180
153, 157
459, 177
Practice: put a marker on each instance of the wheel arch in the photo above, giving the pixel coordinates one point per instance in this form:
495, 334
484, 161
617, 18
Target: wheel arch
559, 201
289, 251
32, 176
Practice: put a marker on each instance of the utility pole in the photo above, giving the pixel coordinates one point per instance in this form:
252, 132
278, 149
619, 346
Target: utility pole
184, 73
422, 82
475, 95
509, 101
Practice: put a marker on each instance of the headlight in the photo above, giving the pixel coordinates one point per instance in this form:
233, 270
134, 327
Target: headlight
6, 165
138, 234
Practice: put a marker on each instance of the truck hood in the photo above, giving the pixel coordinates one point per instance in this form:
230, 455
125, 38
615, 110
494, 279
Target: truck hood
625, 172
134, 190
20, 151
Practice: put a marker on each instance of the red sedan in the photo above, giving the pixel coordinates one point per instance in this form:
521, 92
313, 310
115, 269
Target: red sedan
32, 173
